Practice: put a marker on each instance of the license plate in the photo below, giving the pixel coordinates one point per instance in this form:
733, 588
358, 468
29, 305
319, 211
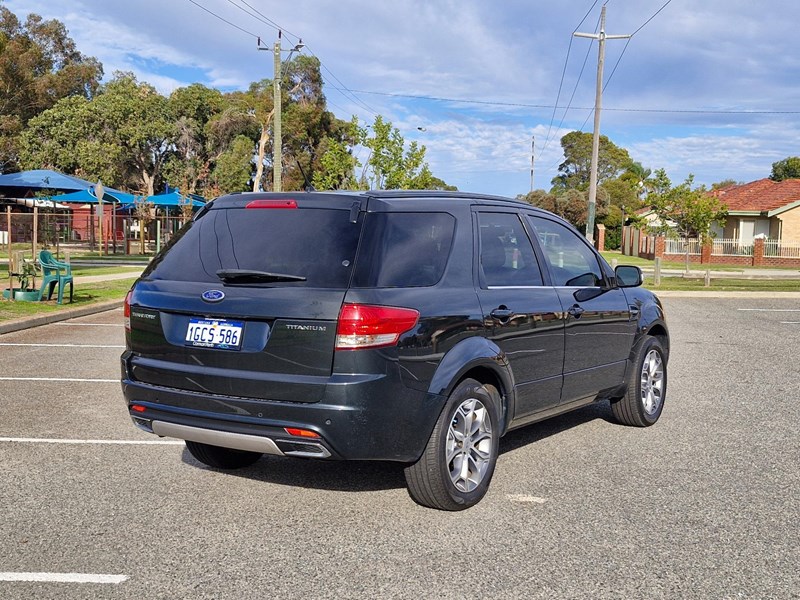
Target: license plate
214, 333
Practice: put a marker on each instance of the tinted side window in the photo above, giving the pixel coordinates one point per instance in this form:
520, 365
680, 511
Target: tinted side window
404, 249
507, 258
572, 262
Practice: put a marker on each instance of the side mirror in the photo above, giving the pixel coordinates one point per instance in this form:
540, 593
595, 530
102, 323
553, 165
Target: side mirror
628, 276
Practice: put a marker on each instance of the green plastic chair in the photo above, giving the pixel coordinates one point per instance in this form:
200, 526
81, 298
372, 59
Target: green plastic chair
54, 273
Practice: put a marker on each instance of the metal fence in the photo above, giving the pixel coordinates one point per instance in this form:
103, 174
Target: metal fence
782, 249
80, 232
719, 247
673, 246
723, 247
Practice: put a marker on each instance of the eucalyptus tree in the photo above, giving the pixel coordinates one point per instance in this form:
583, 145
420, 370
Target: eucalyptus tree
39, 65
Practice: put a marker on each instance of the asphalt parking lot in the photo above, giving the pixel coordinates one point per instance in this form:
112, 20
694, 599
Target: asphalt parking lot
705, 504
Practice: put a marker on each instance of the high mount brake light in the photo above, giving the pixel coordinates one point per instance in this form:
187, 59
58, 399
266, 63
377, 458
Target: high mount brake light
272, 204
366, 326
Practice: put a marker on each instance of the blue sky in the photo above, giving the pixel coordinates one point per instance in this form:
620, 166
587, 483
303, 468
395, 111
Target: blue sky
711, 90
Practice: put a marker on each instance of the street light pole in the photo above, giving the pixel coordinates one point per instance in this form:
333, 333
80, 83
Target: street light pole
533, 147
598, 102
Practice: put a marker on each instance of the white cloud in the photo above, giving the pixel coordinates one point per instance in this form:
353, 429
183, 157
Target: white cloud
723, 54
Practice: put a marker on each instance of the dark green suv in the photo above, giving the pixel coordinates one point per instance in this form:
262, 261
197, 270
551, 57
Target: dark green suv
417, 327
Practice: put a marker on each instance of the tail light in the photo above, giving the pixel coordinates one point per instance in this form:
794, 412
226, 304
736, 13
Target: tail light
365, 326
127, 311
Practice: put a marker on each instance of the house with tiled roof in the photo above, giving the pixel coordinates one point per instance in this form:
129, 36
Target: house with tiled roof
762, 208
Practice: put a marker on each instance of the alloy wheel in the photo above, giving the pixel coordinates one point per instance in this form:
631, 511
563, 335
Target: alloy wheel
468, 448
652, 387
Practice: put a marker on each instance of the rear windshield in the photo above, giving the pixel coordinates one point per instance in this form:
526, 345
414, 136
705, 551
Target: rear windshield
318, 244
404, 249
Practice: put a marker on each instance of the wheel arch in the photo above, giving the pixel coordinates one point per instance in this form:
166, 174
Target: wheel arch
659, 330
479, 359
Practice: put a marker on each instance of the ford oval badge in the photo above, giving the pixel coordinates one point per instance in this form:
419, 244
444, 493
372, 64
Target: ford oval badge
213, 295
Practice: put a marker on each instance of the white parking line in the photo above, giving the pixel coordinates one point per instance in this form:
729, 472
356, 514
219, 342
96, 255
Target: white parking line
524, 498
59, 379
769, 309
63, 345
101, 442
790, 322
64, 577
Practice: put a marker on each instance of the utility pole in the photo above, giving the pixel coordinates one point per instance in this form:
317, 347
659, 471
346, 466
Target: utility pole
277, 138
598, 102
533, 147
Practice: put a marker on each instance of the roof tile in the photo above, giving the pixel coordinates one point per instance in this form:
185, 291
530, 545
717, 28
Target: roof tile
762, 195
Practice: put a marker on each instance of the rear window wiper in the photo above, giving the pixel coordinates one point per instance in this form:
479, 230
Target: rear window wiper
250, 276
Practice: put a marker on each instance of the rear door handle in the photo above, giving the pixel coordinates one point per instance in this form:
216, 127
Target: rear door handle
576, 311
501, 313
634, 311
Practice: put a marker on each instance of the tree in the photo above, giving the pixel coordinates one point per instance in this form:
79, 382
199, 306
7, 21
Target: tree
684, 210
725, 183
788, 168
575, 170
337, 163
123, 135
305, 123
390, 165
137, 117
571, 205
260, 99
191, 108
39, 65
233, 168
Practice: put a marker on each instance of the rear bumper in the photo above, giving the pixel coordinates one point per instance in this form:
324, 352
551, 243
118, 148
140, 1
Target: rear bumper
358, 418
239, 441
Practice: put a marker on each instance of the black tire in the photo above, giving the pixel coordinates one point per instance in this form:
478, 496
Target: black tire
643, 402
222, 458
430, 482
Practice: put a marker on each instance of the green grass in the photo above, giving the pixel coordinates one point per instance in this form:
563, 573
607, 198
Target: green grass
84, 295
80, 270
74, 253
610, 255
723, 285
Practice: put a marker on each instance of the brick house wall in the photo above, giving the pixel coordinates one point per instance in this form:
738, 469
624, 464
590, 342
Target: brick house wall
790, 224
650, 247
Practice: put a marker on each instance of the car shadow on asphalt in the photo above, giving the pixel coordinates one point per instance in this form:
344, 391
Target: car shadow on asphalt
531, 434
340, 476
371, 476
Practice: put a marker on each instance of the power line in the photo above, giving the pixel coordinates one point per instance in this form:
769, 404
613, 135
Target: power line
561, 83
250, 33
259, 16
352, 93
619, 59
548, 106
642, 26
267, 21
577, 81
